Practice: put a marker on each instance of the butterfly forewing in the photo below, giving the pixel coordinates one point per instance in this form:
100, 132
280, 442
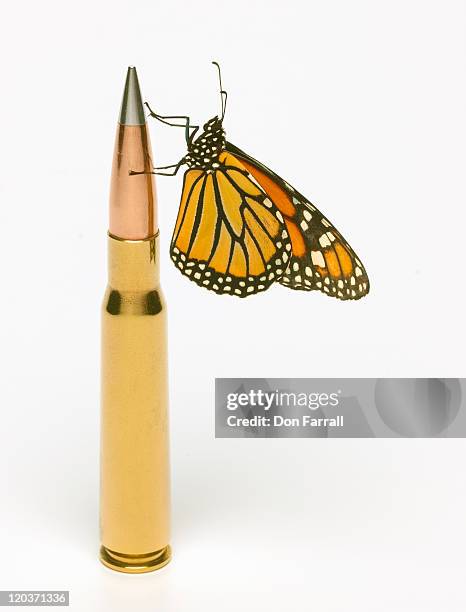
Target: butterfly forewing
229, 236
321, 259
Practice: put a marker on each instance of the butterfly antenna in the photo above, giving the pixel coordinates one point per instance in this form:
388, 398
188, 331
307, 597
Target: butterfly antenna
223, 93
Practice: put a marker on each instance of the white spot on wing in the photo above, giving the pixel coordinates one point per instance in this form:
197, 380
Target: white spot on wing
324, 241
307, 215
318, 259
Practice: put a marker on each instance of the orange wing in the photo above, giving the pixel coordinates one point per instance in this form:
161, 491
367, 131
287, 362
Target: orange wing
229, 236
321, 258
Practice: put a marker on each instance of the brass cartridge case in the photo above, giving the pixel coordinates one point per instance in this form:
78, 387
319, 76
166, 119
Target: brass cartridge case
134, 516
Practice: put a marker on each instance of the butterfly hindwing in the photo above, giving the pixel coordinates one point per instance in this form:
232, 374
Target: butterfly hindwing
229, 236
321, 259
330, 264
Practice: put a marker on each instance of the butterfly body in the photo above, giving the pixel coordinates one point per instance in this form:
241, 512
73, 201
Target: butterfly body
204, 150
241, 227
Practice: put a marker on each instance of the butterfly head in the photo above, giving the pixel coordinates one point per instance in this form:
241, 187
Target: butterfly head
214, 125
203, 152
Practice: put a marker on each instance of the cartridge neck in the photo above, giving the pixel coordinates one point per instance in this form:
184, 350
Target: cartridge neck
133, 265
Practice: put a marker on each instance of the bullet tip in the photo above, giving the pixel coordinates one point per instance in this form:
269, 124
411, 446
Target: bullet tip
132, 108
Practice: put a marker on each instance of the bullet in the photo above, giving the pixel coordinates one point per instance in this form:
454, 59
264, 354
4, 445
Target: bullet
134, 498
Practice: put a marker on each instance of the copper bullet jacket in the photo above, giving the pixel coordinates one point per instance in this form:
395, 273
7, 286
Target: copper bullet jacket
133, 198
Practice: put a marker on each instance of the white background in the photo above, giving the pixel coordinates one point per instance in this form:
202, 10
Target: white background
359, 105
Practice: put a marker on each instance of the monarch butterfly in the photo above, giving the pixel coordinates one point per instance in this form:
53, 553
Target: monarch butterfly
240, 227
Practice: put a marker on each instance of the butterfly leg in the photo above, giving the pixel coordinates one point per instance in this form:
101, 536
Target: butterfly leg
155, 171
175, 166
163, 119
